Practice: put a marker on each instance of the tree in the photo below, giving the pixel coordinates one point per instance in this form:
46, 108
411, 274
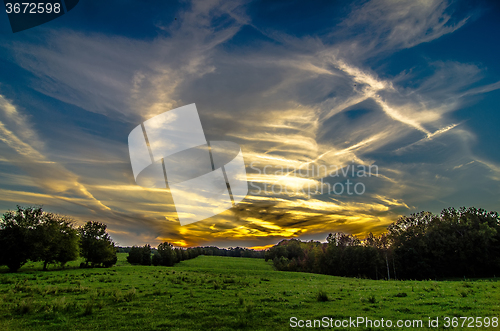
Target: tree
408, 239
55, 240
135, 255
16, 234
166, 254
146, 255
156, 259
96, 246
464, 242
32, 234
140, 255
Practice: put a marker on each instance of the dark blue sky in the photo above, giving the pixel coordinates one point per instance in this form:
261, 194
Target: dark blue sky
409, 87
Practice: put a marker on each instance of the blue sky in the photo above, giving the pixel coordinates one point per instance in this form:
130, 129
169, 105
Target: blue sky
411, 87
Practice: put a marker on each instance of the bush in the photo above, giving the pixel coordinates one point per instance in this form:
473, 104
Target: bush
322, 296
24, 307
88, 308
130, 295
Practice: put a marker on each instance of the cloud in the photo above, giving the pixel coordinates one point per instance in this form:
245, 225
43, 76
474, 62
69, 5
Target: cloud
388, 25
288, 101
49, 175
124, 77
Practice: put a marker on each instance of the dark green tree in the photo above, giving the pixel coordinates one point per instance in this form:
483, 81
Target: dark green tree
32, 234
55, 240
457, 243
146, 255
156, 259
140, 255
135, 255
96, 246
16, 236
167, 254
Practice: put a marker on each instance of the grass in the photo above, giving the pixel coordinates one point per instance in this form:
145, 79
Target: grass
222, 293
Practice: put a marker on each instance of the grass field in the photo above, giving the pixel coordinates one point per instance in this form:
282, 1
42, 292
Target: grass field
224, 293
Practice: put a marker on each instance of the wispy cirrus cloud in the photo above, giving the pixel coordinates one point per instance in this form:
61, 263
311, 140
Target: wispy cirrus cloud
289, 101
384, 25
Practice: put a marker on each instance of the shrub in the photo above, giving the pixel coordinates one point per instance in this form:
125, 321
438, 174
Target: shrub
87, 308
24, 307
249, 306
130, 295
322, 296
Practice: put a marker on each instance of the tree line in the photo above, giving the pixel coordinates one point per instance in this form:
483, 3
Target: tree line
455, 243
168, 255
32, 234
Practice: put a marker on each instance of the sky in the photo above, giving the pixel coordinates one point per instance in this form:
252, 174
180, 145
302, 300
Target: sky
406, 93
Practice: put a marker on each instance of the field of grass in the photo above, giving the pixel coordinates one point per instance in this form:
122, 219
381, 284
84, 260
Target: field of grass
224, 293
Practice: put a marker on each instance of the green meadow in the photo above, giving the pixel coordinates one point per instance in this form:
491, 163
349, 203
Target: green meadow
226, 293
